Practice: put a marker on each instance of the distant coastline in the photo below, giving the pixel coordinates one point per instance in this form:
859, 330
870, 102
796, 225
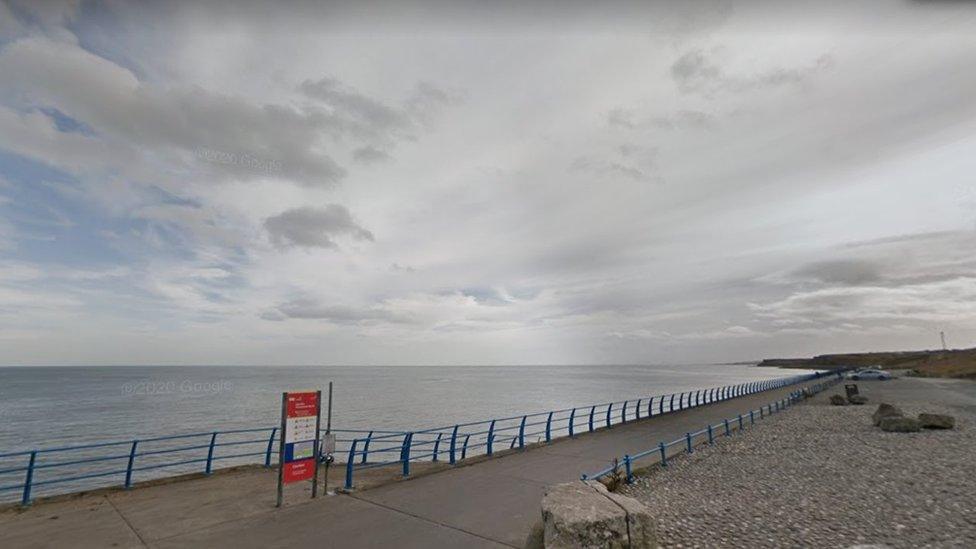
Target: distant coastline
956, 363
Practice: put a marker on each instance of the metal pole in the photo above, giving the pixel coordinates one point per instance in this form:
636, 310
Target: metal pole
317, 445
281, 450
328, 431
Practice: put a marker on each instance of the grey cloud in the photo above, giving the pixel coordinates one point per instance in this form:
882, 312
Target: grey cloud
314, 227
370, 155
912, 279
595, 166
852, 272
369, 119
695, 72
311, 309
680, 120
402, 268
356, 112
685, 119
129, 113
427, 101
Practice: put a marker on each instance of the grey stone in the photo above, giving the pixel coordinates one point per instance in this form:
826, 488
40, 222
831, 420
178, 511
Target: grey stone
586, 515
936, 421
899, 424
838, 400
857, 399
640, 524
885, 410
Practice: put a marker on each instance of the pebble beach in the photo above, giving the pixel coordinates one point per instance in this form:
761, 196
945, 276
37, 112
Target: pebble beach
821, 476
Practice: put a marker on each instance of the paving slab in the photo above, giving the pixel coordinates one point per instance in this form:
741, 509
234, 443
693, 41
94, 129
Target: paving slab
335, 522
92, 523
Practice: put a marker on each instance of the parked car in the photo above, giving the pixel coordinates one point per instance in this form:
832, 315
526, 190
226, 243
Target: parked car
880, 375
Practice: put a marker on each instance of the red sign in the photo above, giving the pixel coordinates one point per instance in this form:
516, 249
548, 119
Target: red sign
299, 470
303, 404
298, 450
300, 435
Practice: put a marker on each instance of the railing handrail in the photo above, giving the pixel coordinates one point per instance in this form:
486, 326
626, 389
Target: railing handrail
688, 438
493, 435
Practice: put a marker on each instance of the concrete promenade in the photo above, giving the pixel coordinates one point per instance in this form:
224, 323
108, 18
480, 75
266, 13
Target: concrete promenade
491, 503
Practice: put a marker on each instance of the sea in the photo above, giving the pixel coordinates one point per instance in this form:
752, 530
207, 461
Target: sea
43, 407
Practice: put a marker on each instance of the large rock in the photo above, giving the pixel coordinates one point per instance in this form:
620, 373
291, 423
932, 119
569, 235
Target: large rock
586, 515
885, 410
838, 400
936, 421
899, 424
857, 399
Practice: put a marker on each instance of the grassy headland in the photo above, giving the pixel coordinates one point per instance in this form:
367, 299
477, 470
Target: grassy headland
960, 363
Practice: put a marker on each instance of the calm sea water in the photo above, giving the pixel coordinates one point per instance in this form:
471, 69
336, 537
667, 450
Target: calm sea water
44, 407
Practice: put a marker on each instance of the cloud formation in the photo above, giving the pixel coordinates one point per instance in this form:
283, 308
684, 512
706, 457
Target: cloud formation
650, 183
314, 227
697, 72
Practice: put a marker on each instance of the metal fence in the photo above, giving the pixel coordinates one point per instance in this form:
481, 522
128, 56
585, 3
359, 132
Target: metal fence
465, 440
32, 473
724, 427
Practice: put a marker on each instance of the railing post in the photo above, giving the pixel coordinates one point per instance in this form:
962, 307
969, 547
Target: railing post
698, 395
490, 443
728, 432
592, 411
210, 450
660, 406
437, 447
623, 414
637, 409
711, 437
132, 460
369, 437
572, 419
688, 440
464, 449
671, 405
549, 427
350, 463
741, 425
630, 476
752, 418
609, 408
522, 433
664, 454
267, 453
650, 407
405, 453
25, 499
452, 456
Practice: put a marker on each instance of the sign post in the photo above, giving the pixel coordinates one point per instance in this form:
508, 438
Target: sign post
301, 414
328, 444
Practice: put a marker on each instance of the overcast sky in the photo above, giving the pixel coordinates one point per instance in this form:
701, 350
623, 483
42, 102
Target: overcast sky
436, 183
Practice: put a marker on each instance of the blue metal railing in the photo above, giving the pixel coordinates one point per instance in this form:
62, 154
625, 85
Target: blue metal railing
466, 440
87, 466
122, 463
725, 426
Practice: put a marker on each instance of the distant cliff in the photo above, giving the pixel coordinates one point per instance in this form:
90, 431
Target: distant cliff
953, 363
